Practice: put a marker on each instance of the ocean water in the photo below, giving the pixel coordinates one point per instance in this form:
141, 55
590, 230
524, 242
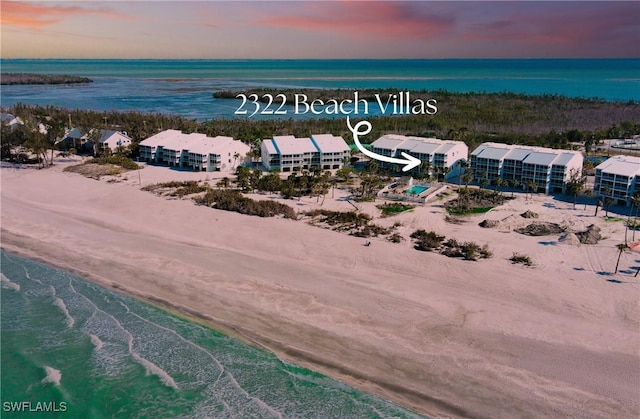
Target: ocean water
79, 348
185, 87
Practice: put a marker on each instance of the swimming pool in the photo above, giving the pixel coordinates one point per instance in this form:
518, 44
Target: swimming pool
416, 189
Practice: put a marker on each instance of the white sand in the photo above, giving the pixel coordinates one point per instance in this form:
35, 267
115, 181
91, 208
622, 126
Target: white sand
443, 336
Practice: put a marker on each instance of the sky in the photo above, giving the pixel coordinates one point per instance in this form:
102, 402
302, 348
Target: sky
319, 29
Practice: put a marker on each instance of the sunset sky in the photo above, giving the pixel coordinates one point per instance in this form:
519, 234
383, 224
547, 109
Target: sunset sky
328, 29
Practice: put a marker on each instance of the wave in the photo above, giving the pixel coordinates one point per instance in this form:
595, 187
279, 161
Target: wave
53, 376
152, 368
58, 302
6, 283
96, 342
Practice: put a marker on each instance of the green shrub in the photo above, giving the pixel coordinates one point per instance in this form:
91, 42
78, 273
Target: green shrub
426, 241
394, 208
519, 258
395, 238
230, 200
117, 160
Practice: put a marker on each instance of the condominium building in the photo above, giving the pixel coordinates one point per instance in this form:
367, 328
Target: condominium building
619, 178
195, 151
287, 153
549, 169
440, 156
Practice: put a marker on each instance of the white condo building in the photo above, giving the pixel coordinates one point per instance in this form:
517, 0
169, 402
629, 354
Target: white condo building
618, 178
197, 151
287, 153
548, 168
442, 156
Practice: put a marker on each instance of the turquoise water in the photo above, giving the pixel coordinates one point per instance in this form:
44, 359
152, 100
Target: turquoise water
185, 87
101, 355
416, 189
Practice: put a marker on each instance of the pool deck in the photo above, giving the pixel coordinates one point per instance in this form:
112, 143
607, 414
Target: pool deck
422, 198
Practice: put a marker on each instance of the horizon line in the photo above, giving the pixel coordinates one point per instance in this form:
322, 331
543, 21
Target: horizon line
319, 59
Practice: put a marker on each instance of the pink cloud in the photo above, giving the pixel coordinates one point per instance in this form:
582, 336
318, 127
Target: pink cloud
570, 24
36, 16
406, 21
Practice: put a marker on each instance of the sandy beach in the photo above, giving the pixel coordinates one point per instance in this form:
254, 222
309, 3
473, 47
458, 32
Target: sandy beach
445, 337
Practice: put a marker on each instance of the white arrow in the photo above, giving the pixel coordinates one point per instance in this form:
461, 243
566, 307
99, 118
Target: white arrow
409, 161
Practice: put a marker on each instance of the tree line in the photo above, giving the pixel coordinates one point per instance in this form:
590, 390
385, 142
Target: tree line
548, 121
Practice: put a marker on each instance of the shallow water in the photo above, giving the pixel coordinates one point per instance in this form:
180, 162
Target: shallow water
185, 87
100, 354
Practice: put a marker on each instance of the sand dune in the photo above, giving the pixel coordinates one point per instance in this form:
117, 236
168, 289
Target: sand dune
443, 336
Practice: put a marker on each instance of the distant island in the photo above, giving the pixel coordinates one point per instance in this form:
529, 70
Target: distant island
28, 78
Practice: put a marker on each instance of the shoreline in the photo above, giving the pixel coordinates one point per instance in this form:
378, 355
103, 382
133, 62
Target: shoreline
437, 335
284, 352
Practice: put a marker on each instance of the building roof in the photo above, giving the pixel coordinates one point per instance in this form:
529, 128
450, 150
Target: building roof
517, 154
76, 133
621, 165
268, 144
328, 143
217, 145
446, 146
415, 145
490, 152
109, 135
291, 145
180, 141
540, 159
160, 138
565, 158
528, 154
423, 148
390, 142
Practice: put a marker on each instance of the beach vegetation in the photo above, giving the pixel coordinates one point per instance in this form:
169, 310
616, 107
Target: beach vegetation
575, 184
352, 222
426, 240
465, 250
117, 160
389, 209
395, 238
429, 241
97, 167
177, 189
31, 78
232, 200
520, 258
474, 201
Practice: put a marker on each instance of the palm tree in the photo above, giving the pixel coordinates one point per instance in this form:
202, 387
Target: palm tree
499, 183
463, 165
604, 192
575, 185
467, 178
372, 166
513, 183
424, 167
531, 187
635, 202
588, 193
483, 182
621, 248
